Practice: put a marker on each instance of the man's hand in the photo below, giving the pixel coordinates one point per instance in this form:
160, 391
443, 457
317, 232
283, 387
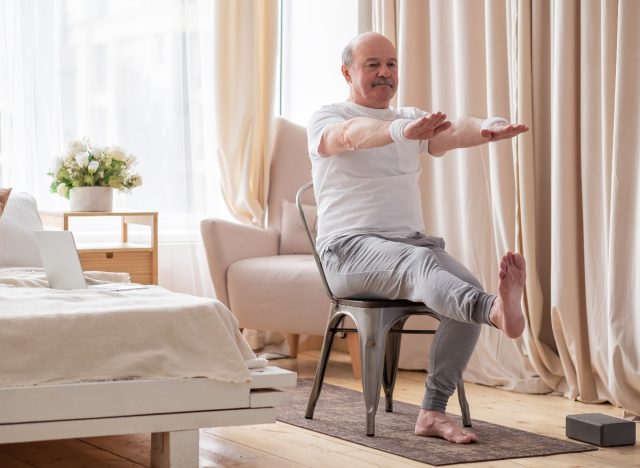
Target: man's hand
502, 131
426, 127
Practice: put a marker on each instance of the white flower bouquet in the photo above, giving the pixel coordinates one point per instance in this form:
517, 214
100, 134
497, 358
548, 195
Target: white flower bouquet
86, 165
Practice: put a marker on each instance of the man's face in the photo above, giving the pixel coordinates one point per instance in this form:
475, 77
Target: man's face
373, 74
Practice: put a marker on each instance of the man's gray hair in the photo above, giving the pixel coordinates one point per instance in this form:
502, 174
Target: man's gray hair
347, 54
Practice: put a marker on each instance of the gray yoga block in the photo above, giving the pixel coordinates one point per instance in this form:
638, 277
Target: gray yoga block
600, 429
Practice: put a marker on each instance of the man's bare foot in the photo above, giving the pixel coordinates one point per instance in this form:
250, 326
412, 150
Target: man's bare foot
506, 312
435, 424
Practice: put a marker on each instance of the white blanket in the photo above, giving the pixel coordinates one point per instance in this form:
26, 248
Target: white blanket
50, 336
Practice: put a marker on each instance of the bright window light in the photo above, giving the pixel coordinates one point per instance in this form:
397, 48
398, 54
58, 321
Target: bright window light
313, 36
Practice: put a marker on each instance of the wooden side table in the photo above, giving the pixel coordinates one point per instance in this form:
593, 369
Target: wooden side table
140, 260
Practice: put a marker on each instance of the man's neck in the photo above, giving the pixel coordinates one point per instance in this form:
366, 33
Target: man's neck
369, 104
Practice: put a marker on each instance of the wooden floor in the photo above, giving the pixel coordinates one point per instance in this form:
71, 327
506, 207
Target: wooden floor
280, 445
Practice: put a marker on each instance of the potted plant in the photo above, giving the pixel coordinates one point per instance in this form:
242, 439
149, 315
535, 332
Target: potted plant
87, 175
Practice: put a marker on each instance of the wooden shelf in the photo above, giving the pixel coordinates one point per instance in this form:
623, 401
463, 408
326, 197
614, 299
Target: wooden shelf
114, 246
140, 260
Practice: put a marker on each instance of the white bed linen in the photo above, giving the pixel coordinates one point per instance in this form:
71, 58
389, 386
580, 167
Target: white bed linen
52, 336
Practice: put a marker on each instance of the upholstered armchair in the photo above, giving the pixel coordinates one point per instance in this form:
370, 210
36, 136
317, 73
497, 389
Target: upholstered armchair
267, 276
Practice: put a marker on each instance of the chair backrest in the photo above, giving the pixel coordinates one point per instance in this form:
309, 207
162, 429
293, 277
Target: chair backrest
363, 303
290, 167
301, 193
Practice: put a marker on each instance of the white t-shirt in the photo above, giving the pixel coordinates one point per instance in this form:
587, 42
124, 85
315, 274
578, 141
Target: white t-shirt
370, 190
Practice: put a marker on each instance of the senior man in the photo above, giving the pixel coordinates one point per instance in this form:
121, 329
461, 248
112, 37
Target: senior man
371, 235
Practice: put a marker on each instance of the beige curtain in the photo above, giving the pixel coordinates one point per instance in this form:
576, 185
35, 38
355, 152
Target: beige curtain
587, 113
246, 35
565, 194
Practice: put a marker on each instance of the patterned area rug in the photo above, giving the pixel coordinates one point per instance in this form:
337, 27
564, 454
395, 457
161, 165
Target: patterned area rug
340, 413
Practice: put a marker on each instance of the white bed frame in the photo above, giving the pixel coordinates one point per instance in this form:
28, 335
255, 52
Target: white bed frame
172, 410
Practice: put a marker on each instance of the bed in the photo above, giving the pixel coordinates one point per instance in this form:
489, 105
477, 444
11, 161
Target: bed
92, 362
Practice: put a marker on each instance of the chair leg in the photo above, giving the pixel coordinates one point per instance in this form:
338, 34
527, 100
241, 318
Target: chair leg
353, 343
322, 365
372, 342
464, 405
391, 358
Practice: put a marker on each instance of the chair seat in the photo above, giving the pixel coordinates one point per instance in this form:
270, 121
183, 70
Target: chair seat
379, 303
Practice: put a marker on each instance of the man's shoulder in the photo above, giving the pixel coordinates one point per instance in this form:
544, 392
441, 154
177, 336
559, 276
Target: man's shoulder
334, 108
336, 111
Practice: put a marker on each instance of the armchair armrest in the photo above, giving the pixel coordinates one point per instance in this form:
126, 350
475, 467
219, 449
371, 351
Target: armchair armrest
227, 242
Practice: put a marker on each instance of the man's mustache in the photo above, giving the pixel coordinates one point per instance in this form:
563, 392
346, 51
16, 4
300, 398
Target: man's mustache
383, 81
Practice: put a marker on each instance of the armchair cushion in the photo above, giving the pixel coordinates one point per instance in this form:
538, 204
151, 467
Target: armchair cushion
227, 242
281, 292
293, 238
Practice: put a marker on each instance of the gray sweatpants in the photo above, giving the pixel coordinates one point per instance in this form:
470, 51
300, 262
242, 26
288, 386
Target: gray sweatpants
417, 268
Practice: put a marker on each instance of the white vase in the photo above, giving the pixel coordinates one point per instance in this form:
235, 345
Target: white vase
91, 199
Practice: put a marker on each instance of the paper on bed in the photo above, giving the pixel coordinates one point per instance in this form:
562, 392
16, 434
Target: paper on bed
57, 336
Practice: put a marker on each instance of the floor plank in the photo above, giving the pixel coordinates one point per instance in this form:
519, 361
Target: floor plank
70, 453
220, 452
307, 448
7, 461
133, 447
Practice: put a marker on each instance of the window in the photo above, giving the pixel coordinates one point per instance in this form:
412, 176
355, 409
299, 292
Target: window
313, 36
125, 72
132, 76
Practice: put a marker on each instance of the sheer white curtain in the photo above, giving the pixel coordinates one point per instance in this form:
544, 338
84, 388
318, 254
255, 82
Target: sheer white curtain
313, 36
125, 72
30, 97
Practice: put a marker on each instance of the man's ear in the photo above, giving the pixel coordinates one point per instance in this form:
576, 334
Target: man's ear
345, 73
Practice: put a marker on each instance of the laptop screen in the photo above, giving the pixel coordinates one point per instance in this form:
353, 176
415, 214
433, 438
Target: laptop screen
60, 259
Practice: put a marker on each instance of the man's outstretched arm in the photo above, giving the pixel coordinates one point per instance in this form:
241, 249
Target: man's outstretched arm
468, 131
365, 132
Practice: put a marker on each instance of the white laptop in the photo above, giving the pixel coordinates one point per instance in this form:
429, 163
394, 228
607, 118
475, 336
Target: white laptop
62, 263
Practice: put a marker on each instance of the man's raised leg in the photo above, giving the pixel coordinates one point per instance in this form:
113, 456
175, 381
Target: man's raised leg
506, 312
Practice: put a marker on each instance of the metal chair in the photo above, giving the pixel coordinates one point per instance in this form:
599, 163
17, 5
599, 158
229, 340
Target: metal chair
379, 326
